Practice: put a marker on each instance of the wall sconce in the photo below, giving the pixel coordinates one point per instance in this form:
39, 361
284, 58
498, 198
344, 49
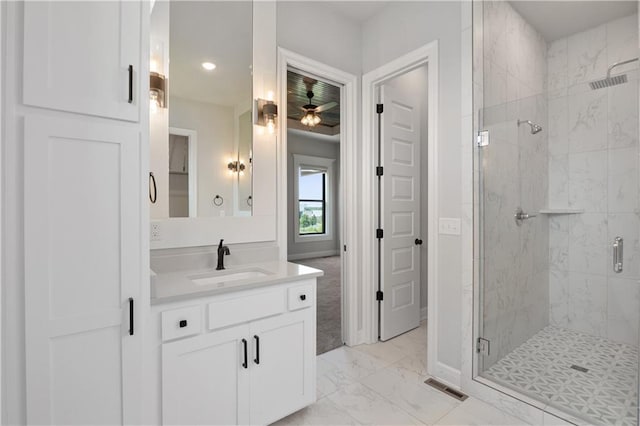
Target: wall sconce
266, 113
157, 86
235, 166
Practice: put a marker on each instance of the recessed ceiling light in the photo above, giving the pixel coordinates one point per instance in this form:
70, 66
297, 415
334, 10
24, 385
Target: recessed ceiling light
209, 66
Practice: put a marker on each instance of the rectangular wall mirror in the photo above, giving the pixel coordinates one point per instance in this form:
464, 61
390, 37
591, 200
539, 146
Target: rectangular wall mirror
201, 126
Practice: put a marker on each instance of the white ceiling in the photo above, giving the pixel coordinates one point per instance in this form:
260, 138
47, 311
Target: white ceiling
359, 11
213, 31
556, 19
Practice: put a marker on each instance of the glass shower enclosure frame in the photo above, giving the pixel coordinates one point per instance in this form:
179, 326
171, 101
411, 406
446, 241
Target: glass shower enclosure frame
545, 244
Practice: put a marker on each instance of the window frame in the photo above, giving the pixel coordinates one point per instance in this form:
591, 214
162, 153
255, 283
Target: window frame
326, 165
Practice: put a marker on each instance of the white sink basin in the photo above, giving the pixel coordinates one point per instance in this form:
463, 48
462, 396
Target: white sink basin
221, 278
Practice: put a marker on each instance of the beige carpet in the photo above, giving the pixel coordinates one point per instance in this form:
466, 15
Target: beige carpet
329, 319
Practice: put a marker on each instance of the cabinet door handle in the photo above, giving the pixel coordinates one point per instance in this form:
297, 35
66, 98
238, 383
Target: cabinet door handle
257, 358
153, 189
131, 316
130, 99
245, 364
303, 297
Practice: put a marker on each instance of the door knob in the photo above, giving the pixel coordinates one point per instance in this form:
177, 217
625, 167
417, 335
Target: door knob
418, 242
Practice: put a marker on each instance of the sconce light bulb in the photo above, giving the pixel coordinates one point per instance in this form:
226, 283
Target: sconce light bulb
270, 95
153, 106
208, 66
271, 126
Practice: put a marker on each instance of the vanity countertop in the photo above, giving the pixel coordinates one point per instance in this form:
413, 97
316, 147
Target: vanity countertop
182, 285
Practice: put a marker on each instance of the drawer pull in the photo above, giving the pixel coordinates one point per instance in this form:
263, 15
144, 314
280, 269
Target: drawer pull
303, 297
183, 323
245, 364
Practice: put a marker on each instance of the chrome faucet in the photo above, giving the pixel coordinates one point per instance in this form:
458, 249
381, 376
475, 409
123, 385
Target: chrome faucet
222, 250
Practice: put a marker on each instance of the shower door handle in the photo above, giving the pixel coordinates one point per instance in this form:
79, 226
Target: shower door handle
618, 245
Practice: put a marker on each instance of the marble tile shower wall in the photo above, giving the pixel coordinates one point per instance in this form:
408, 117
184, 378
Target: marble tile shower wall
515, 291
593, 165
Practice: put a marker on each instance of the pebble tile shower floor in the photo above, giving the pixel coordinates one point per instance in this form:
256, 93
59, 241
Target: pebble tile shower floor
607, 393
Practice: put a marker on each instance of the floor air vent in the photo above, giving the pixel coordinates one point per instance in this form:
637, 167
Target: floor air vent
581, 369
446, 389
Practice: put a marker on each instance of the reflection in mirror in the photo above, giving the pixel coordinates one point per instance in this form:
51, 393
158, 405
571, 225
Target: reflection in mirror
204, 52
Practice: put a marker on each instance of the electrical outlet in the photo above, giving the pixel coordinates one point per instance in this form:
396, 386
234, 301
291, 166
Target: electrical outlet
156, 235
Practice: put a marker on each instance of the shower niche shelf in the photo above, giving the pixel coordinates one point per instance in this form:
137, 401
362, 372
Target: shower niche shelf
561, 211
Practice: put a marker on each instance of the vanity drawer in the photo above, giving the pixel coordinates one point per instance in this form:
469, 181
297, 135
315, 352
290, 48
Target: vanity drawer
246, 308
181, 322
301, 296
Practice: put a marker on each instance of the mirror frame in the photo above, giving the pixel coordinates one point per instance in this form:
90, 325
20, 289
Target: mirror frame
261, 226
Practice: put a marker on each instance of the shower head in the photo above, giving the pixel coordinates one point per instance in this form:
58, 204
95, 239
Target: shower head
609, 81
534, 127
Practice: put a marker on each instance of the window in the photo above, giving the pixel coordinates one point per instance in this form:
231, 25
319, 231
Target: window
312, 202
313, 199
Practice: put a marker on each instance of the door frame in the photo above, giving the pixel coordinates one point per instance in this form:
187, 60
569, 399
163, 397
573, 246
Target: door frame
347, 216
371, 81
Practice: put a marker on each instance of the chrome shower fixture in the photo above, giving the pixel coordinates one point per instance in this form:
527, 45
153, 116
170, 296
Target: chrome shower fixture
609, 81
534, 127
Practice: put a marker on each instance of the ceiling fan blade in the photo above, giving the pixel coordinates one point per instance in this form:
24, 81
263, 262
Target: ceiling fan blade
326, 106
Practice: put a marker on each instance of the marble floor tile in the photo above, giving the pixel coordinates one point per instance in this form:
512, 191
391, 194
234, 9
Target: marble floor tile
386, 352
475, 412
369, 407
353, 363
329, 378
323, 412
409, 367
414, 396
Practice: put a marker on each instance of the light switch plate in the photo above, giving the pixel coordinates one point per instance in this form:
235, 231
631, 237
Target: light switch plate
449, 226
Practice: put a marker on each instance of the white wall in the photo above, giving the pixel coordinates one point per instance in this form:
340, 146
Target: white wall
337, 44
300, 144
214, 125
395, 31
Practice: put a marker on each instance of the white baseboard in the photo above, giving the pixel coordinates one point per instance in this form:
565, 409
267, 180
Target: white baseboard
423, 314
448, 375
325, 253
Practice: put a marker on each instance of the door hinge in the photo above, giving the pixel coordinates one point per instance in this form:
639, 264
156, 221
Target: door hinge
379, 295
379, 233
379, 108
482, 138
379, 171
345, 247
483, 346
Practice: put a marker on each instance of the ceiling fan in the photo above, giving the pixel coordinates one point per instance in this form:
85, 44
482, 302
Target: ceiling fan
311, 116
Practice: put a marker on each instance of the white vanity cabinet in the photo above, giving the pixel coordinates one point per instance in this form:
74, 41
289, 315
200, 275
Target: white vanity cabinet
254, 370
83, 57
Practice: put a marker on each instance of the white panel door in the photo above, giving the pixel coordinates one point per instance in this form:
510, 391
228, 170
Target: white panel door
400, 308
282, 365
205, 380
82, 264
77, 56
